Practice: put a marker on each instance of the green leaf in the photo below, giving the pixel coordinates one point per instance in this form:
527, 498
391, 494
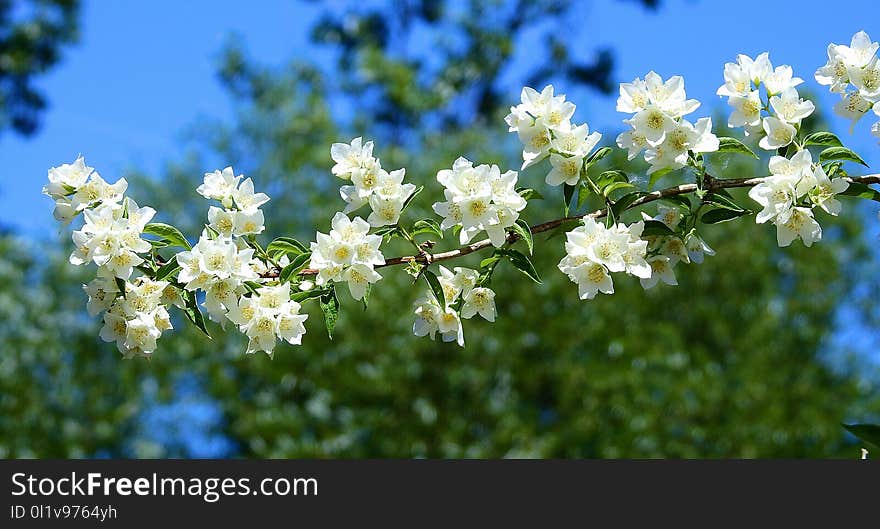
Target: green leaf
168, 233
193, 312
330, 308
167, 269
366, 299
286, 245
833, 168
298, 263
427, 226
529, 194
522, 229
120, 285
409, 200
860, 190
436, 288
722, 202
610, 188
823, 138
385, 229
840, 153
598, 155
624, 202
655, 227
607, 177
308, 294
522, 263
489, 261
568, 193
657, 175
678, 200
870, 433
727, 144
723, 215
583, 193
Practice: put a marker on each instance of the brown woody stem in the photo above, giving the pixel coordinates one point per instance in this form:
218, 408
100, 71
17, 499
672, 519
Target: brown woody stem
710, 183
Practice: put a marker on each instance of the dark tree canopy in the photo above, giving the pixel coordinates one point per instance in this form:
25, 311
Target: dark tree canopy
32, 35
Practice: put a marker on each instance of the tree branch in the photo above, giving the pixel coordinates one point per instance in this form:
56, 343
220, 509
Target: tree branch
426, 258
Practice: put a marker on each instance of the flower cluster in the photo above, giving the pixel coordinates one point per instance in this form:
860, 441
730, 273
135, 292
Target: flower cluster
260, 289
777, 117
543, 123
111, 237
348, 253
479, 199
658, 126
76, 187
218, 266
385, 192
665, 251
266, 315
135, 313
593, 250
241, 213
463, 298
788, 196
135, 320
854, 72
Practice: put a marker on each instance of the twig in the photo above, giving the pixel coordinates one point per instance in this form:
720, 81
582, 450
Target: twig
426, 258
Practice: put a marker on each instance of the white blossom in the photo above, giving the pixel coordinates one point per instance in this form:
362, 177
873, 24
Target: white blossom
136, 320
776, 194
860, 51
852, 107
479, 199
785, 109
427, 311
245, 198
789, 106
854, 72
110, 240
797, 222
351, 158
220, 185
738, 78
267, 315
230, 222
572, 147
592, 251
431, 319
697, 247
825, 190
220, 268
348, 253
102, 292
661, 270
784, 195
747, 110
778, 133
67, 178
388, 197
658, 125
384, 191
780, 80
538, 120
835, 73
480, 301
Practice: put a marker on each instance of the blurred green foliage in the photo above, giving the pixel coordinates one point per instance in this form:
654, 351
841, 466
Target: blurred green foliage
32, 33
732, 363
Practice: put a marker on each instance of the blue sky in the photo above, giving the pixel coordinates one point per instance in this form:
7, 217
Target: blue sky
144, 71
